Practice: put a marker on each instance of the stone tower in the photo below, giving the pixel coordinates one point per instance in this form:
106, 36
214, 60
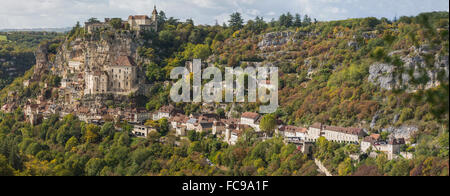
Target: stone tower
155, 14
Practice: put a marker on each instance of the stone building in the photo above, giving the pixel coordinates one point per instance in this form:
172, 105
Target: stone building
142, 130
143, 22
342, 134
293, 132
165, 112
91, 27
123, 75
119, 78
251, 119
314, 132
96, 82
391, 148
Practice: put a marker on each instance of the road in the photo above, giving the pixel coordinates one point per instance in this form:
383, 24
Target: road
322, 168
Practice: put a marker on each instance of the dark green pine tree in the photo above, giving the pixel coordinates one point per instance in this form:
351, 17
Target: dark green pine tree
236, 22
298, 20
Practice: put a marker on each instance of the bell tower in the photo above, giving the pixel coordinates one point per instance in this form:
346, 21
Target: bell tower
154, 14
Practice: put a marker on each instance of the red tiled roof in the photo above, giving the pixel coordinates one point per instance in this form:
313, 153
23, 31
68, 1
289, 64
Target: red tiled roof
167, 109
375, 136
397, 141
125, 61
316, 125
138, 17
350, 130
250, 115
219, 123
290, 128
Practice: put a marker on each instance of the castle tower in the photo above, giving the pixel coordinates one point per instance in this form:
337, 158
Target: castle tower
154, 14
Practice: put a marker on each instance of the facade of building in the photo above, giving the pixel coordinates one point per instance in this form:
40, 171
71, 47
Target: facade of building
314, 132
164, 112
143, 22
234, 136
293, 132
123, 75
218, 128
342, 134
119, 78
251, 119
142, 130
391, 148
96, 83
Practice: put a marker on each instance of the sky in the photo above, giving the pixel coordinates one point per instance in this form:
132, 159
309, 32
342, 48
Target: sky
65, 13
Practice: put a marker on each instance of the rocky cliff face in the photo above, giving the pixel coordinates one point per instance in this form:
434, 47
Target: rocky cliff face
276, 39
415, 66
97, 51
41, 61
82, 61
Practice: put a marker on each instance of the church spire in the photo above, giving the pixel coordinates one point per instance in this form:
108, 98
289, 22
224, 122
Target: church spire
155, 12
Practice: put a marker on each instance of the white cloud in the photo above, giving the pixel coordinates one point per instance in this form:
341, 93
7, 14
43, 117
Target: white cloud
63, 13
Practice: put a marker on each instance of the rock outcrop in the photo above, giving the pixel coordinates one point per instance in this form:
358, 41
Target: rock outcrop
415, 66
276, 39
401, 132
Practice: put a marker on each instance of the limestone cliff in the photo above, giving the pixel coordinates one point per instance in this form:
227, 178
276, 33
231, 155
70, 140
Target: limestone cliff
414, 66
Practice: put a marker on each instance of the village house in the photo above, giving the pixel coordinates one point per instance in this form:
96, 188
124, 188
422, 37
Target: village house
391, 148
142, 130
293, 132
164, 112
91, 27
178, 120
181, 130
234, 136
218, 128
33, 113
234, 131
204, 127
251, 119
191, 124
139, 115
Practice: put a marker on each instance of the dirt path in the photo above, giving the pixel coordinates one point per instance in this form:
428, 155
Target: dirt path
322, 168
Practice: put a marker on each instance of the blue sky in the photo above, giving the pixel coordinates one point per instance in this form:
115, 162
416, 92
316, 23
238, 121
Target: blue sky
65, 13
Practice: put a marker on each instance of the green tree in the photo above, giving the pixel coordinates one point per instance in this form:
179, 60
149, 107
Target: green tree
116, 23
5, 168
306, 20
220, 112
202, 51
345, 168
71, 143
297, 20
94, 166
154, 72
163, 126
268, 124
236, 22
93, 20
92, 133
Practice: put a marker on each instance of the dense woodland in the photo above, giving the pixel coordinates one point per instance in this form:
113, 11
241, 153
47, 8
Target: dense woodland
338, 93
